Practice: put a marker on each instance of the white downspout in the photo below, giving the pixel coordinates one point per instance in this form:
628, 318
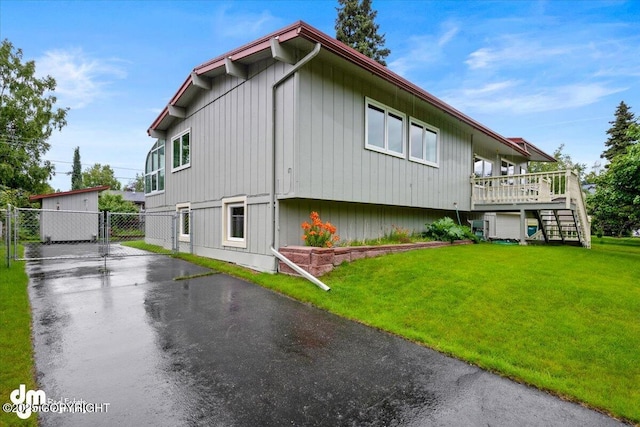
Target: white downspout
300, 271
274, 224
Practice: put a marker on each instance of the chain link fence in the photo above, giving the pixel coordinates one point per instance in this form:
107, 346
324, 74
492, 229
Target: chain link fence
58, 234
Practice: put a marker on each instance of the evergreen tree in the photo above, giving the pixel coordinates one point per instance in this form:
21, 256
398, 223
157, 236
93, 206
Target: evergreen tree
619, 137
355, 27
76, 171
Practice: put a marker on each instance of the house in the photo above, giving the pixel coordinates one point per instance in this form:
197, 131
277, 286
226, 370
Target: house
255, 139
134, 197
69, 216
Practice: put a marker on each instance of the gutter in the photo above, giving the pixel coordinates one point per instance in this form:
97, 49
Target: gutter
274, 87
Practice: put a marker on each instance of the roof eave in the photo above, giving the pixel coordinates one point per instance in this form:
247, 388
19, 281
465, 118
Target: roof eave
302, 29
68, 193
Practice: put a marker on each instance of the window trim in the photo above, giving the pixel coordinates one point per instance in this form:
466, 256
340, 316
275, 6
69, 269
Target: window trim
180, 207
387, 111
175, 138
507, 181
227, 239
475, 156
427, 127
155, 172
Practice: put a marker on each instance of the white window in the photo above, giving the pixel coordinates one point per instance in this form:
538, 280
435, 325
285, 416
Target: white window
184, 222
507, 169
482, 168
234, 222
181, 148
385, 129
423, 143
154, 169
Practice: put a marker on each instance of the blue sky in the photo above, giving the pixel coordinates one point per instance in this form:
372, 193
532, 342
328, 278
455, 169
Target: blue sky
552, 72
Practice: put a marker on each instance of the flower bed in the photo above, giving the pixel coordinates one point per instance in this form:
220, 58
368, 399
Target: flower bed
319, 261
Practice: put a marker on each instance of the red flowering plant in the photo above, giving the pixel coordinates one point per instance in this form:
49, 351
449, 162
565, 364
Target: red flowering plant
318, 234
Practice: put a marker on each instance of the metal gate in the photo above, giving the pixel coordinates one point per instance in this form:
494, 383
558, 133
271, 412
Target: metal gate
57, 234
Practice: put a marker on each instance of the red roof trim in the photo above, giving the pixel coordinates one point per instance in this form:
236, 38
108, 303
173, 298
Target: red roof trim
302, 29
68, 193
527, 146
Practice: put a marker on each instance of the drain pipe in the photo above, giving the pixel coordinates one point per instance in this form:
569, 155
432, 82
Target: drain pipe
274, 87
300, 271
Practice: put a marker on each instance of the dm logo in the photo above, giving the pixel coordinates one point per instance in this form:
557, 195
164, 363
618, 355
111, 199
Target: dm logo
25, 400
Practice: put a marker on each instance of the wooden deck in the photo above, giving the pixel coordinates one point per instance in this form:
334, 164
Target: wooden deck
550, 196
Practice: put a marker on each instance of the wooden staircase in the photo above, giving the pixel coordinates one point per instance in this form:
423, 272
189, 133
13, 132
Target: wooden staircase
561, 226
554, 198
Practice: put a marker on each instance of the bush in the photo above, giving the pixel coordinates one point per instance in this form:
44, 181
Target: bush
446, 230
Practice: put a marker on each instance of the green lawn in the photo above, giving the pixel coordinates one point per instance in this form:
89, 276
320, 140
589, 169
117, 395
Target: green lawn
16, 352
563, 319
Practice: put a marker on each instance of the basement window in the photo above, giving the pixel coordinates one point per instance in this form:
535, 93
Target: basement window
234, 222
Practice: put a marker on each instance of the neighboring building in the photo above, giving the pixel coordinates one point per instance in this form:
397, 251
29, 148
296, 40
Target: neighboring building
134, 197
69, 216
296, 121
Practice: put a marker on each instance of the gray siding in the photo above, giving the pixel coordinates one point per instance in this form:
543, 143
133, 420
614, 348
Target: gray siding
57, 224
332, 163
321, 160
354, 221
230, 141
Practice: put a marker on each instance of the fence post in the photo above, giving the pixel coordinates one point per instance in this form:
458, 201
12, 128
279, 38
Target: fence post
191, 235
16, 220
107, 234
174, 231
7, 237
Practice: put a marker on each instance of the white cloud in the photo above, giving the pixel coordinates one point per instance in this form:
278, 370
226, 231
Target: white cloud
80, 79
511, 97
424, 50
448, 35
514, 51
241, 24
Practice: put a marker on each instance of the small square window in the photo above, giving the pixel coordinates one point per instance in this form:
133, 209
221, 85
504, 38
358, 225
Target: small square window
184, 222
234, 222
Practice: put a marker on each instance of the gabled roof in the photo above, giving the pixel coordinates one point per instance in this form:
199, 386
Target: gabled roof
267, 46
535, 154
68, 193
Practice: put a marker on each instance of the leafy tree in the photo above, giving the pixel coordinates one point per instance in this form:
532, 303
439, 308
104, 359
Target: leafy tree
76, 171
137, 184
563, 162
615, 206
619, 137
27, 119
634, 131
98, 175
355, 27
115, 203
592, 176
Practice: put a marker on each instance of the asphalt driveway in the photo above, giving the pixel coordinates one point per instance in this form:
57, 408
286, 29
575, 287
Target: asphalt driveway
218, 351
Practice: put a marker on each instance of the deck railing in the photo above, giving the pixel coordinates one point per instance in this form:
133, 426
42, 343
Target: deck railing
541, 187
562, 187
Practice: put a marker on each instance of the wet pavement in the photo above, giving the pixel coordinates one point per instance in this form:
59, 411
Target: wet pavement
217, 351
